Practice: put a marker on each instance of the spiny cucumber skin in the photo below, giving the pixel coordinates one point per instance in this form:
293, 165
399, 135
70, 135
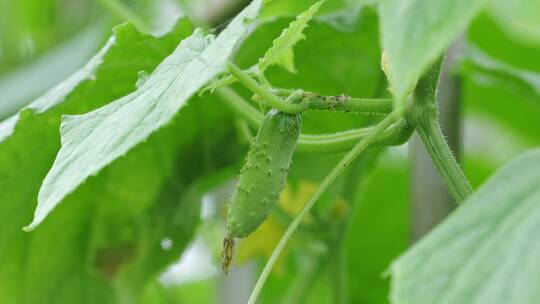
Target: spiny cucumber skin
264, 174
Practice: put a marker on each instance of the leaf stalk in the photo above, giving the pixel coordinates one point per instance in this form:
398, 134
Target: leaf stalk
424, 117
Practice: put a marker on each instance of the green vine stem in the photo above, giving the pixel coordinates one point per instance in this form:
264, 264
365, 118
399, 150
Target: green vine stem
398, 133
329, 179
443, 159
273, 100
425, 120
301, 100
343, 141
343, 102
347, 103
124, 13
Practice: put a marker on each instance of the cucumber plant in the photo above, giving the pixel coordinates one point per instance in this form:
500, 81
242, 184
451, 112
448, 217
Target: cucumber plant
301, 103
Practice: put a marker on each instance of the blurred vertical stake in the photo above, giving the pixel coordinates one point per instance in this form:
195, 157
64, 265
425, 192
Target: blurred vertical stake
430, 201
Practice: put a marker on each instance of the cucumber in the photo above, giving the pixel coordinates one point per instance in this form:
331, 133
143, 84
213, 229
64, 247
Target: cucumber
264, 174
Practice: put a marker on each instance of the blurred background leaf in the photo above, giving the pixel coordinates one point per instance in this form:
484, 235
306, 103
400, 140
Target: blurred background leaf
30, 27
501, 82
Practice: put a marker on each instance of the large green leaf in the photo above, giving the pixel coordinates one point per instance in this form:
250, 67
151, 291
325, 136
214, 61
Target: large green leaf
92, 141
181, 168
111, 73
486, 251
35, 267
415, 33
106, 239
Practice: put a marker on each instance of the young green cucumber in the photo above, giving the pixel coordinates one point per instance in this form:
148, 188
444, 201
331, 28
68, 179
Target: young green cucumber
264, 174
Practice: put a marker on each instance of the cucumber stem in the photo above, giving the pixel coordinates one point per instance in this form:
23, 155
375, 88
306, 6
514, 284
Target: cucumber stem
343, 141
303, 100
273, 100
343, 102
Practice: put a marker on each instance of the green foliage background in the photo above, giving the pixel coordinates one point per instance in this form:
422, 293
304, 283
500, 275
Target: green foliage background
104, 242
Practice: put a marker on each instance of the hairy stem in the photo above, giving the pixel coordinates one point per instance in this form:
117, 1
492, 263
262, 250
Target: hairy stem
330, 178
425, 119
443, 159
431, 202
